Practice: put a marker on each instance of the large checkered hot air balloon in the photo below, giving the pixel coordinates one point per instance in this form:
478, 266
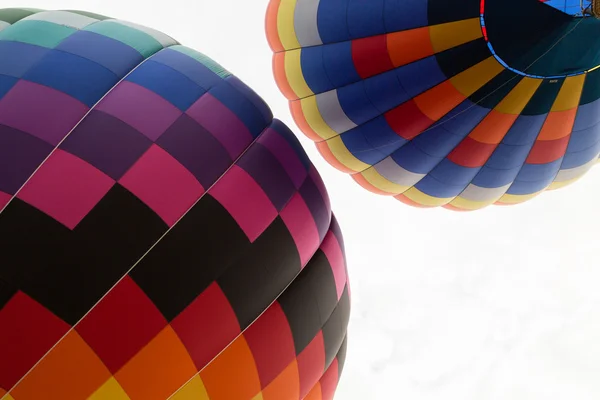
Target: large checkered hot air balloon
161, 236
455, 103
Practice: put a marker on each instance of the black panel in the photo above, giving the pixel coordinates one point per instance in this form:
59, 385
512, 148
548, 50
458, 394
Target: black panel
261, 274
190, 257
544, 98
442, 11
334, 331
7, 291
341, 356
460, 58
492, 93
69, 271
310, 300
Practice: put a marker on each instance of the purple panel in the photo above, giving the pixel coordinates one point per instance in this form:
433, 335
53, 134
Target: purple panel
318, 208
20, 155
286, 155
107, 143
269, 174
41, 111
196, 149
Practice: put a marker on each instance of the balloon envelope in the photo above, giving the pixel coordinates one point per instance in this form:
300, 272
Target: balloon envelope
454, 103
160, 233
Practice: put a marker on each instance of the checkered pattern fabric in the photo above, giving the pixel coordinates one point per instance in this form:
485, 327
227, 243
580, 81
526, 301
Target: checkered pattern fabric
161, 235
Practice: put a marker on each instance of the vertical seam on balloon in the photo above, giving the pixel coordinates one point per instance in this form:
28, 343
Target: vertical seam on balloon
92, 108
258, 317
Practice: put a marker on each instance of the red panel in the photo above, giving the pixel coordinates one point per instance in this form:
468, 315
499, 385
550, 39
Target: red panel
207, 325
371, 56
121, 324
471, 153
272, 344
329, 381
28, 331
311, 364
407, 120
546, 151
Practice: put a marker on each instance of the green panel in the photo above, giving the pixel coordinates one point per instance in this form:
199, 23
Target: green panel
137, 39
544, 98
40, 33
89, 14
206, 61
12, 15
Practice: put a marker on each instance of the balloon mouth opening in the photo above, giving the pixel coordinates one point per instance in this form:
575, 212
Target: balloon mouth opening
533, 39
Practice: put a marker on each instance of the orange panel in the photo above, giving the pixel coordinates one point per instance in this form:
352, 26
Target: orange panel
403, 199
271, 26
233, 374
409, 46
298, 115
158, 370
361, 180
558, 125
493, 128
439, 100
286, 386
315, 393
325, 151
281, 77
71, 371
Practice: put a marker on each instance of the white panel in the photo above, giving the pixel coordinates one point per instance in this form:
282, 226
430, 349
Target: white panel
163, 39
305, 23
395, 173
65, 18
478, 193
332, 112
4, 25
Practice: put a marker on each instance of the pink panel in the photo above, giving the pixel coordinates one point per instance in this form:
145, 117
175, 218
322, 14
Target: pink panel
314, 174
245, 200
163, 184
333, 252
66, 188
300, 223
4, 199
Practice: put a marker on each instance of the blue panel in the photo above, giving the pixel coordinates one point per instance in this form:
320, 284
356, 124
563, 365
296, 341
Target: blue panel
189, 67
508, 157
110, 53
495, 178
360, 147
581, 140
17, 58
453, 174
381, 136
240, 106
339, 65
332, 21
356, 104
574, 160
431, 186
437, 141
412, 159
385, 91
525, 130
167, 83
587, 115
464, 118
420, 76
253, 97
402, 15
313, 69
366, 18
539, 172
6, 83
78, 77
571, 7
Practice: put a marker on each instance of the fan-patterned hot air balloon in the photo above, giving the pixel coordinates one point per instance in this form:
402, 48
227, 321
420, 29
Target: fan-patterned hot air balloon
454, 103
161, 236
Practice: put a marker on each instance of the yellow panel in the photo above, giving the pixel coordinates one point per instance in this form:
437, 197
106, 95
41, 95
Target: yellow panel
516, 101
343, 155
193, 390
569, 94
518, 198
258, 397
453, 34
471, 80
5, 396
111, 390
285, 24
466, 204
382, 183
295, 77
313, 117
417, 196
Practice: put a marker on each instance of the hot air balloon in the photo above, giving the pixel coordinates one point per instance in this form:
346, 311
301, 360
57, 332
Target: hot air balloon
454, 103
161, 235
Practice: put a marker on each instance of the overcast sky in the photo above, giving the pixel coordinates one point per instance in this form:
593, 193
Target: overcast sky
491, 305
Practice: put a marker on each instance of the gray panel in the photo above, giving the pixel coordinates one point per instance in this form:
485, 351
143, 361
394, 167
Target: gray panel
4, 25
395, 173
332, 112
64, 18
305, 23
478, 193
572, 173
163, 39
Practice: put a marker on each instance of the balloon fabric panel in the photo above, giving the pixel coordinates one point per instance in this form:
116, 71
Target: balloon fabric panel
162, 236
460, 104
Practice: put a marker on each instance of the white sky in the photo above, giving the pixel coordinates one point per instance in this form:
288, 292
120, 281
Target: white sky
492, 305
